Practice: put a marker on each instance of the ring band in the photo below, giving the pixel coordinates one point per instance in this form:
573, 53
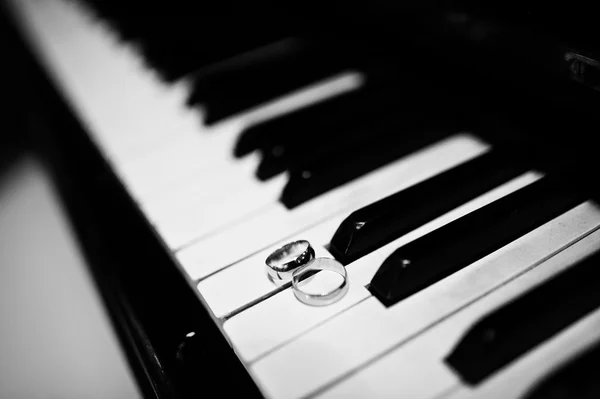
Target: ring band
325, 298
282, 263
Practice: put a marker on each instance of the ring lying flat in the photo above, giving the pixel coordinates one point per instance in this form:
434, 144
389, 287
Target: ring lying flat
283, 261
325, 298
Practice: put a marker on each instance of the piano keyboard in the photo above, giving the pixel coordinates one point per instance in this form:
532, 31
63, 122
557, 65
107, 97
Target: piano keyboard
221, 218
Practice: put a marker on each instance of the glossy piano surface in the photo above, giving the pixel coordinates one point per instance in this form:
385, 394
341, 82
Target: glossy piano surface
206, 158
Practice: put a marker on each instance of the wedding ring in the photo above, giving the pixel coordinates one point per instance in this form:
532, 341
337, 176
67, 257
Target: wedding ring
283, 261
327, 297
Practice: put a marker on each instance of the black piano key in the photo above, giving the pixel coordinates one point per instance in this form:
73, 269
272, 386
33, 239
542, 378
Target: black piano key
388, 88
220, 75
175, 64
342, 128
393, 140
456, 245
181, 37
341, 132
410, 125
324, 117
272, 163
524, 323
377, 224
264, 74
336, 134
296, 124
576, 379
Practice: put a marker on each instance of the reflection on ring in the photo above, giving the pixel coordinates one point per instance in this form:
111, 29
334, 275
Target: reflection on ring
285, 260
326, 296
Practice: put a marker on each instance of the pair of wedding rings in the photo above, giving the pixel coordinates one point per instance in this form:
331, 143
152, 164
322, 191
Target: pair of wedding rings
296, 262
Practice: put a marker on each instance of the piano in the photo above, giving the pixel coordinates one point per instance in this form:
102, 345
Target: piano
442, 152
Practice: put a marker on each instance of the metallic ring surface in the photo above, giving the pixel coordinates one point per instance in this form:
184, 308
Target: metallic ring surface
325, 298
285, 260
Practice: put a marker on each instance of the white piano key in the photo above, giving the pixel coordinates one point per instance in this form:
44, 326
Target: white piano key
222, 174
416, 369
119, 100
332, 86
158, 170
209, 148
217, 212
256, 233
245, 281
216, 180
135, 145
190, 152
369, 329
111, 94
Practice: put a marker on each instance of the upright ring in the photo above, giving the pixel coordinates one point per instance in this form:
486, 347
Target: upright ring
285, 260
325, 298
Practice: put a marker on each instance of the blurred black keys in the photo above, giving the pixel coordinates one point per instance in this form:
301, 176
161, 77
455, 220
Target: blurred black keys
293, 140
377, 224
519, 326
402, 123
180, 37
456, 245
576, 379
263, 74
300, 123
335, 133
192, 54
378, 93
389, 139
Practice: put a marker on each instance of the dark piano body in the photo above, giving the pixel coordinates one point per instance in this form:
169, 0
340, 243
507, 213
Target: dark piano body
527, 79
